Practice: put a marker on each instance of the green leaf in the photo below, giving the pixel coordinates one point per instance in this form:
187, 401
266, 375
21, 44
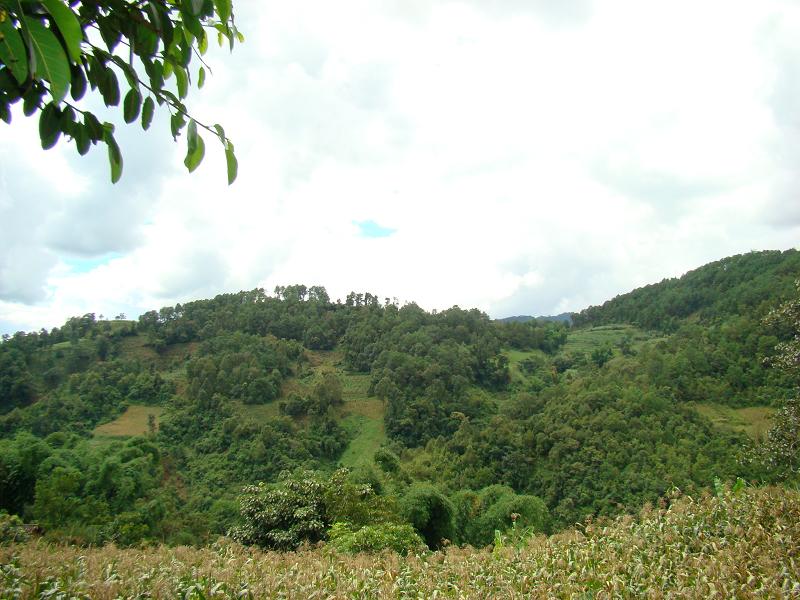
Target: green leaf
51, 62
191, 136
32, 99
93, 127
49, 125
195, 147
95, 71
82, 140
176, 123
68, 25
220, 133
182, 81
109, 87
127, 70
232, 163
77, 86
145, 41
155, 16
110, 30
5, 113
201, 78
9, 88
147, 113
195, 6
114, 155
202, 45
12, 50
191, 23
166, 71
131, 105
223, 9
155, 71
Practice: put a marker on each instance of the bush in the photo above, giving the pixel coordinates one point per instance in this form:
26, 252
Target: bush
375, 538
12, 529
430, 512
303, 506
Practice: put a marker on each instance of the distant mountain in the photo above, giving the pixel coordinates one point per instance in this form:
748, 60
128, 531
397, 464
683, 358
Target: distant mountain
565, 317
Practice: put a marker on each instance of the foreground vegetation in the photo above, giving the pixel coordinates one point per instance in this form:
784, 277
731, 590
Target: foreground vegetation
739, 542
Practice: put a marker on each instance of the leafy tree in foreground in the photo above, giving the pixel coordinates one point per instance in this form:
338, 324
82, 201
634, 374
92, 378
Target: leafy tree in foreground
303, 507
50, 49
780, 452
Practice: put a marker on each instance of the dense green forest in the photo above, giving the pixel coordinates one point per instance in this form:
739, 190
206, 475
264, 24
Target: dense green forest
288, 417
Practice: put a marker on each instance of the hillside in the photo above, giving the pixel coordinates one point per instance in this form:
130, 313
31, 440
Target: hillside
741, 285
147, 431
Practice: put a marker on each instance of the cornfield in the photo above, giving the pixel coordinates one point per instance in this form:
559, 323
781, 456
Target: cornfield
733, 544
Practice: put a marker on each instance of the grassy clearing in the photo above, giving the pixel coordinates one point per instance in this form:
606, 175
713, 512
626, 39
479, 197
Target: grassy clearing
257, 412
369, 436
755, 421
135, 347
364, 420
361, 415
117, 324
735, 545
514, 358
134, 421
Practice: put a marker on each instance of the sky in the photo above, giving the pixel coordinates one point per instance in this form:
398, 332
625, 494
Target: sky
521, 157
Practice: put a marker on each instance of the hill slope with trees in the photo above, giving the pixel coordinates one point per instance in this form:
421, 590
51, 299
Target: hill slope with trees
448, 421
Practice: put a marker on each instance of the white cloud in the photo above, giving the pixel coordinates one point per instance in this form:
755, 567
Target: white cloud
532, 158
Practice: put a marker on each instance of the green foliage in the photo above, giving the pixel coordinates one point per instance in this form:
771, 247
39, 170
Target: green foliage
71, 489
541, 433
732, 286
387, 461
601, 356
780, 451
46, 50
283, 517
402, 539
533, 334
302, 507
495, 510
430, 512
12, 529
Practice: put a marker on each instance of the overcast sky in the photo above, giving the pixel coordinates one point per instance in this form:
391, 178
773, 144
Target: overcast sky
522, 157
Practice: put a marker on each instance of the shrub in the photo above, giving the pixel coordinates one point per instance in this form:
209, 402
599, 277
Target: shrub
430, 512
375, 538
12, 529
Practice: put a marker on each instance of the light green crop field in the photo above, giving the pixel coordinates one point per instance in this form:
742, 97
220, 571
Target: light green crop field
755, 421
134, 421
586, 340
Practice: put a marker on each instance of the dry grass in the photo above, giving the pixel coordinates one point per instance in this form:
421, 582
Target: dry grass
134, 421
743, 545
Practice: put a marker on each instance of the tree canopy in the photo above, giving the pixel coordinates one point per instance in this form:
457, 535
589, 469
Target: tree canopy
52, 52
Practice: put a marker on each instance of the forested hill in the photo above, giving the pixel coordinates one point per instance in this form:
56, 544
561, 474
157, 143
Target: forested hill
745, 284
148, 430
